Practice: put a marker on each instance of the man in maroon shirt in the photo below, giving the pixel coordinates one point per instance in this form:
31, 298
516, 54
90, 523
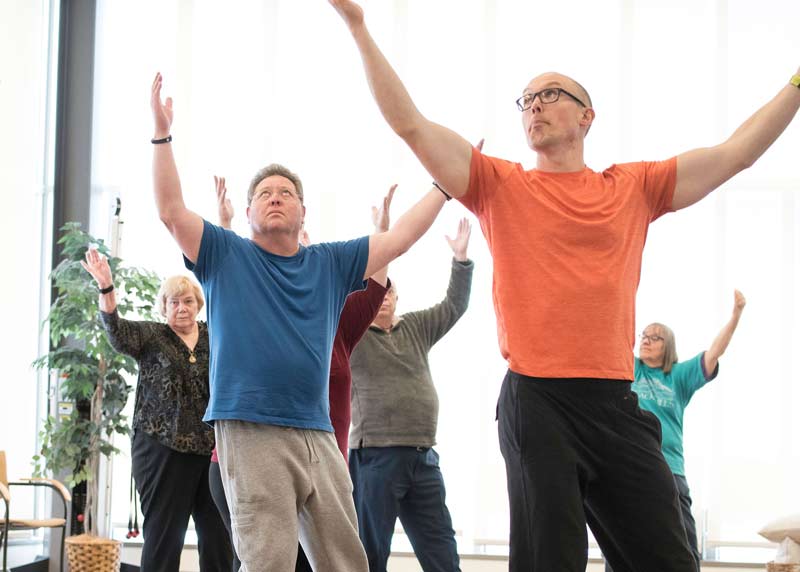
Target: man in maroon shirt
358, 313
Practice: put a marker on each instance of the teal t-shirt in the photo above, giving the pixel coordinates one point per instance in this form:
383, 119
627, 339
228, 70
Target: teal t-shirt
666, 396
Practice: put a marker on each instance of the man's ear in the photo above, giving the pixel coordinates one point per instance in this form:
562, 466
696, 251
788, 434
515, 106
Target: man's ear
587, 118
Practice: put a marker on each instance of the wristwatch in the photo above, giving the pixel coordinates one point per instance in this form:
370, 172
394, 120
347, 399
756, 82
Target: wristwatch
795, 81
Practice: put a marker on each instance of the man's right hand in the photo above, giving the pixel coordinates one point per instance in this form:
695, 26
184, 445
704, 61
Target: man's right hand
162, 112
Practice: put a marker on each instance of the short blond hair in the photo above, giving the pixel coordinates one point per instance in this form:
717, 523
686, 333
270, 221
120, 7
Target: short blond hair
178, 286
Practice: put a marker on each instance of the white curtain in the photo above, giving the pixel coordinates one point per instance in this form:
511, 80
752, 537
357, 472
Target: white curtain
27, 91
281, 81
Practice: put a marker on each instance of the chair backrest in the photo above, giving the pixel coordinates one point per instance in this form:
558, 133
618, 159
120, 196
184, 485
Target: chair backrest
3, 472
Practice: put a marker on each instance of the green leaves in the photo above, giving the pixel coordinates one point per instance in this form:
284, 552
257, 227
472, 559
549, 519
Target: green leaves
84, 359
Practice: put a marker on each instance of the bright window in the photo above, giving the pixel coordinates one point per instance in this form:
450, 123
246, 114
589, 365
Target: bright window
257, 82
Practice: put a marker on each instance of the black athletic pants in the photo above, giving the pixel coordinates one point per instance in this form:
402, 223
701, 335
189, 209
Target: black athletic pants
578, 452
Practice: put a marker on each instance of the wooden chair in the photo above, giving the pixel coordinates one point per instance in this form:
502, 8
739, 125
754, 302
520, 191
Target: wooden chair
9, 524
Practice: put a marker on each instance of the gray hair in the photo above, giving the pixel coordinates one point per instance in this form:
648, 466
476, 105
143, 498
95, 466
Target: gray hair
670, 350
269, 171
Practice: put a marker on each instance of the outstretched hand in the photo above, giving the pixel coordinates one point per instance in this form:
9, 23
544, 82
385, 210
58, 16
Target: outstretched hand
461, 241
739, 303
380, 216
224, 205
162, 112
351, 13
97, 265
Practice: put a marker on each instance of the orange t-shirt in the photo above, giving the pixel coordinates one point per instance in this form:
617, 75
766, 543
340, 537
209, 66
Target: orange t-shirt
567, 253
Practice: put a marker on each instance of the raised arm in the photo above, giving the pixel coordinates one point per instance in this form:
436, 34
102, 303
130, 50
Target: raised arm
224, 205
702, 170
380, 219
185, 226
386, 246
97, 265
444, 153
720, 344
434, 322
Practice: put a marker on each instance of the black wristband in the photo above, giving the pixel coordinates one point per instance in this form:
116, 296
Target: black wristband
166, 139
446, 196
107, 289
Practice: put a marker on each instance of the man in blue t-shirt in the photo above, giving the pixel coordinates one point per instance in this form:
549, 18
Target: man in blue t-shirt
665, 386
273, 309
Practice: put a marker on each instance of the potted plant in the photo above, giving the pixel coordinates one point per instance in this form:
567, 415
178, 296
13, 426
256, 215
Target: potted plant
91, 372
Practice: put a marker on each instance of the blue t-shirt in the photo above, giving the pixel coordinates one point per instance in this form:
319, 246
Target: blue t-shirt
272, 320
666, 396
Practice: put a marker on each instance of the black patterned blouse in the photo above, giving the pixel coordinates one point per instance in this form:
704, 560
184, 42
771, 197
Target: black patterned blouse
172, 391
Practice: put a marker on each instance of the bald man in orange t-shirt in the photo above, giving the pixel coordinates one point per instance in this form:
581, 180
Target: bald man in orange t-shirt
567, 244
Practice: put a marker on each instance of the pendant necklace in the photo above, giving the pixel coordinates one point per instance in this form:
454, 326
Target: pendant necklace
192, 359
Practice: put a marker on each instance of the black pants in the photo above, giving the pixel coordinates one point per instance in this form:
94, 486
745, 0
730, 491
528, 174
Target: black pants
173, 486
688, 520
218, 492
581, 452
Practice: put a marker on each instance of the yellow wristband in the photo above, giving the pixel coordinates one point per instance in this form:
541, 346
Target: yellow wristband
795, 81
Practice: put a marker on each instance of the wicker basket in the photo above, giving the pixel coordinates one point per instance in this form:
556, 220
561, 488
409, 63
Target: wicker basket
92, 554
775, 567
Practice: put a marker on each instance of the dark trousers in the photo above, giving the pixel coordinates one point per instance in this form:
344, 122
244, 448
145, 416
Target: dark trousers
404, 482
581, 452
218, 492
173, 486
688, 520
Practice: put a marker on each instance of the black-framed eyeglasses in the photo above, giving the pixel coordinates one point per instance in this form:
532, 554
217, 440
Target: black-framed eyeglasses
546, 95
652, 338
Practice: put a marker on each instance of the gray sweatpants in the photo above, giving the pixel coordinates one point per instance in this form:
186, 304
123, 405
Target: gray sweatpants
282, 484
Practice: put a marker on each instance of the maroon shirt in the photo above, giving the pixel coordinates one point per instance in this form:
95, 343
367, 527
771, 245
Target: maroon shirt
359, 311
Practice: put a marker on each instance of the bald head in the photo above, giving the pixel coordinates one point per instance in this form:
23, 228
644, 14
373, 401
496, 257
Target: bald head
555, 79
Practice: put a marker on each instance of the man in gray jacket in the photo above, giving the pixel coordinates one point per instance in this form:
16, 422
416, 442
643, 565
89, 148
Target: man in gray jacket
395, 409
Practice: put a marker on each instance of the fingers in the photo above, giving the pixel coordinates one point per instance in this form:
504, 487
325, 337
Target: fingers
387, 200
464, 227
219, 184
155, 90
95, 263
92, 256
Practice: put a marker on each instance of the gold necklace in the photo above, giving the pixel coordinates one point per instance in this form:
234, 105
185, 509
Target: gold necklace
192, 358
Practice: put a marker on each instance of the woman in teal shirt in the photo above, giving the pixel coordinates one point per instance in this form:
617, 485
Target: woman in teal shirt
665, 386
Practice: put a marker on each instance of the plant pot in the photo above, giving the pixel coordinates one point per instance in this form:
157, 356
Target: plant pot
777, 567
87, 553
